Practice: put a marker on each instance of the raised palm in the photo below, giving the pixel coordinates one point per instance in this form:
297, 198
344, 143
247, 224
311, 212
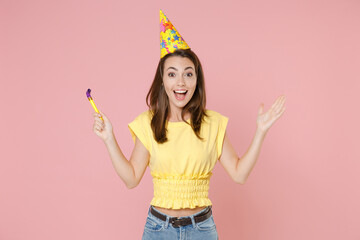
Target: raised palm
265, 120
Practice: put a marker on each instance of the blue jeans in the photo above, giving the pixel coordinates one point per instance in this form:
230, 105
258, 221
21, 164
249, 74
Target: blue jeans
158, 229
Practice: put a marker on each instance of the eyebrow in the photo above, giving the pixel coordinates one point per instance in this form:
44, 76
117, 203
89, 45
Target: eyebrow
176, 69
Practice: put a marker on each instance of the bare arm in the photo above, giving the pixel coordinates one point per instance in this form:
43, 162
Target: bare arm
239, 169
131, 172
247, 162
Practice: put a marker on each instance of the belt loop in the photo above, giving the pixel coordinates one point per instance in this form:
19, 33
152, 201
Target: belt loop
193, 220
167, 221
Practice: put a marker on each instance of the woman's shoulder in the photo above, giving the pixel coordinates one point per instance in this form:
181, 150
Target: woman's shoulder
215, 117
145, 115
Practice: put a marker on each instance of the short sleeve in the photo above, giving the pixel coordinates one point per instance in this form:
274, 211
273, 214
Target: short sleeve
223, 120
139, 128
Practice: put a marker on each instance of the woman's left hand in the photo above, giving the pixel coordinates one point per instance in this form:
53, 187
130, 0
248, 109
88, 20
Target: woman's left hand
265, 120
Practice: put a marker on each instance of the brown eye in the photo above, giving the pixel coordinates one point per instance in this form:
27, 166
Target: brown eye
190, 74
170, 74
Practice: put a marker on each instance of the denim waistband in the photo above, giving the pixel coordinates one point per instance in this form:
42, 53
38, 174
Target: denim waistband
195, 214
168, 217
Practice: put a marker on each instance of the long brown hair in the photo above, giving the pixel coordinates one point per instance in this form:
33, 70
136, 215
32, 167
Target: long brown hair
159, 101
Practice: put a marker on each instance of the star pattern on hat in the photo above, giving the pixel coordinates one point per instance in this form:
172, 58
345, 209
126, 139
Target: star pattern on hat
170, 38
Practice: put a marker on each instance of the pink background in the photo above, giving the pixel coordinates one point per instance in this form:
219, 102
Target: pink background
56, 178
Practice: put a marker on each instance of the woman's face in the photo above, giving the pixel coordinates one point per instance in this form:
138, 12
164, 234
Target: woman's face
179, 79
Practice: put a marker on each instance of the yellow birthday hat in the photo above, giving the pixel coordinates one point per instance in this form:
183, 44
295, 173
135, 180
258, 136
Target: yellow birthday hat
170, 39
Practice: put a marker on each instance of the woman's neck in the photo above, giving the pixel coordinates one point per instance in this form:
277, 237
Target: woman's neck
175, 116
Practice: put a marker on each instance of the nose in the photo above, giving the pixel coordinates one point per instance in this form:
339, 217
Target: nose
181, 81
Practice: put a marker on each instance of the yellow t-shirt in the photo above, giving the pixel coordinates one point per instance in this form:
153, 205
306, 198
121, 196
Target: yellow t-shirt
181, 167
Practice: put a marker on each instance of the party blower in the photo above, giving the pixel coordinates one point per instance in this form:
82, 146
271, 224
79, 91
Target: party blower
92, 102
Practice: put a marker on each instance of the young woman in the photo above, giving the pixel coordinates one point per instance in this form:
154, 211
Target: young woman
181, 141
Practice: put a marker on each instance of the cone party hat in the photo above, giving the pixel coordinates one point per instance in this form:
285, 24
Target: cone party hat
170, 39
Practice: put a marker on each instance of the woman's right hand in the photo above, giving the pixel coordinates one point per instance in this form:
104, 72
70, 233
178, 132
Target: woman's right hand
102, 128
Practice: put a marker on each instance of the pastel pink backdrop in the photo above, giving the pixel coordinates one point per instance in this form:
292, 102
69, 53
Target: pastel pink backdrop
56, 178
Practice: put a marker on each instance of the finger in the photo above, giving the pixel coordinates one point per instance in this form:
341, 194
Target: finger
101, 113
99, 129
281, 103
277, 108
100, 124
277, 101
261, 109
98, 117
98, 120
278, 104
273, 106
281, 113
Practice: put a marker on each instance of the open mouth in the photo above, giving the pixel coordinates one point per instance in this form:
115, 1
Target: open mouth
180, 95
